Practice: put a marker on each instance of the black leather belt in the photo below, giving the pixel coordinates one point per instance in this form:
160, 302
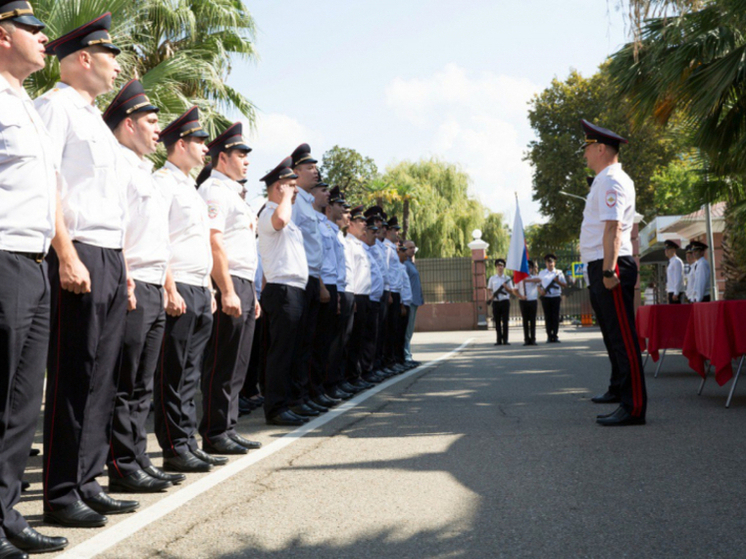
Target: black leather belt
37, 257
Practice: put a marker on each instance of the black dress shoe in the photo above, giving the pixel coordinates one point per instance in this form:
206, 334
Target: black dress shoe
304, 410
314, 405
76, 515
339, 394
285, 418
34, 452
138, 482
303, 418
349, 388
25, 485
246, 443
498, 343
326, 400
223, 446
9, 551
157, 473
187, 463
104, 504
210, 458
607, 398
32, 541
620, 418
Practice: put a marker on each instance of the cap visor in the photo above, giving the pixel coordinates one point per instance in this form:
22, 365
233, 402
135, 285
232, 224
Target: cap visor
242, 147
198, 134
113, 48
30, 21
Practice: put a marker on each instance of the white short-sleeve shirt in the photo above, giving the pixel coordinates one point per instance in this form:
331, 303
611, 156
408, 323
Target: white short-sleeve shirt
94, 189
376, 273
283, 254
361, 266
530, 290
228, 213
675, 276
307, 219
495, 283
612, 198
28, 180
188, 229
550, 282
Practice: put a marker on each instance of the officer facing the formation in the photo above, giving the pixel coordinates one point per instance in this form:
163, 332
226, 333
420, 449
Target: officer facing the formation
134, 121
27, 226
674, 274
550, 291
190, 304
606, 249
283, 297
88, 312
701, 275
234, 257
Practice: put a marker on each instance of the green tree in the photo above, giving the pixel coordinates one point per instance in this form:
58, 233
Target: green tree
555, 116
495, 232
675, 187
350, 171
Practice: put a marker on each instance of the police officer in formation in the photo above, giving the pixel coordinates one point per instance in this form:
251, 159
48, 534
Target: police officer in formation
700, 277
674, 274
606, 249
130, 285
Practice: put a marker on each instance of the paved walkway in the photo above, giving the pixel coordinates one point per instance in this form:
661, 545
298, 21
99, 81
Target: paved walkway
492, 452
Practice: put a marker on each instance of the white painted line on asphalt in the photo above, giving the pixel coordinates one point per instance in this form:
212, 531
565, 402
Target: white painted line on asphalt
136, 522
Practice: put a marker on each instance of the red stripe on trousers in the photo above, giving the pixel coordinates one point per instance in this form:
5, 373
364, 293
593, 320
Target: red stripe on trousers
631, 354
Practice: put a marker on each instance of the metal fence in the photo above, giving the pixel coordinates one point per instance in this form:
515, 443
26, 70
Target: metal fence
446, 280
576, 301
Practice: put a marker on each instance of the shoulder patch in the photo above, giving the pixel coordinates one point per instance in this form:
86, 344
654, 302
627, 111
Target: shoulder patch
213, 208
611, 198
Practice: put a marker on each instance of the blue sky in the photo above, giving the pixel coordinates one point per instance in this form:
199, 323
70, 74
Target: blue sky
409, 79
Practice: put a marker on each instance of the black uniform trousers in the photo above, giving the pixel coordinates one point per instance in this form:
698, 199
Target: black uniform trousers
616, 311
86, 336
359, 326
528, 314
383, 313
255, 370
678, 301
391, 332
551, 306
401, 335
339, 348
226, 362
326, 331
143, 337
283, 307
24, 340
309, 322
371, 337
501, 314
179, 372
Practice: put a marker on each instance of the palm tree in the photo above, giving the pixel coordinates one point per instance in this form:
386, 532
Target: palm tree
693, 66
181, 50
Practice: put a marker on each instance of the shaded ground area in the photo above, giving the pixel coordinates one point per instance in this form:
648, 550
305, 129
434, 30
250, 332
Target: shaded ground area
494, 453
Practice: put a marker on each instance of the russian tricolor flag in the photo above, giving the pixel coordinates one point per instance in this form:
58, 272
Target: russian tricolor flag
518, 251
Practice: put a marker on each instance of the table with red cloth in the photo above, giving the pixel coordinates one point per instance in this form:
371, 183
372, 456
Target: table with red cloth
716, 333
662, 327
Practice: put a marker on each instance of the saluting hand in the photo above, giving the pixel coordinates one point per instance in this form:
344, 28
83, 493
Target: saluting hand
231, 304
74, 276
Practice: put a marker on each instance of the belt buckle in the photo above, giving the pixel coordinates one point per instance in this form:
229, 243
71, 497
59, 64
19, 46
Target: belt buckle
39, 257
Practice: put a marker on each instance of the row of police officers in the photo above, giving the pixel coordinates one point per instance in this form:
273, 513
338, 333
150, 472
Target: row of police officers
691, 279
129, 285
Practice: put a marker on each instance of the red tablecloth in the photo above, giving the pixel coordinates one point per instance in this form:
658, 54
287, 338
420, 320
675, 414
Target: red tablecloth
716, 332
662, 327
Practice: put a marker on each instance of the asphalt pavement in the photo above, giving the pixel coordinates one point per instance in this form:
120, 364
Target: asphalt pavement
491, 452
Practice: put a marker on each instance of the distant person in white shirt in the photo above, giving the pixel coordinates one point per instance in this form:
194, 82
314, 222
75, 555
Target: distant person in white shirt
701, 288
550, 291
674, 274
528, 295
500, 288
689, 273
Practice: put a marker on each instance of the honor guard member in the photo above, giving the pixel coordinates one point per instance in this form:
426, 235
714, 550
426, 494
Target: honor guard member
528, 294
281, 247
674, 274
234, 261
500, 287
689, 273
28, 198
363, 281
372, 332
307, 219
134, 121
606, 249
417, 299
391, 328
337, 219
701, 275
190, 304
550, 290
88, 321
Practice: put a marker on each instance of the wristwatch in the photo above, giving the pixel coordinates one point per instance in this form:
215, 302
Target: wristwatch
609, 273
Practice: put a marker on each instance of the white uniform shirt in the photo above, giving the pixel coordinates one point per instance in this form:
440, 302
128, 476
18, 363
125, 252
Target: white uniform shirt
340, 253
689, 276
376, 273
552, 288
349, 259
495, 283
328, 242
391, 255
383, 263
361, 266
406, 286
701, 280
675, 276
188, 229
283, 256
530, 290
612, 198
28, 180
94, 191
231, 215
307, 219
146, 238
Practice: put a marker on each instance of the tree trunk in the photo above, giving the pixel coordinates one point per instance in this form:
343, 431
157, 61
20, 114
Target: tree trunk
734, 253
405, 219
